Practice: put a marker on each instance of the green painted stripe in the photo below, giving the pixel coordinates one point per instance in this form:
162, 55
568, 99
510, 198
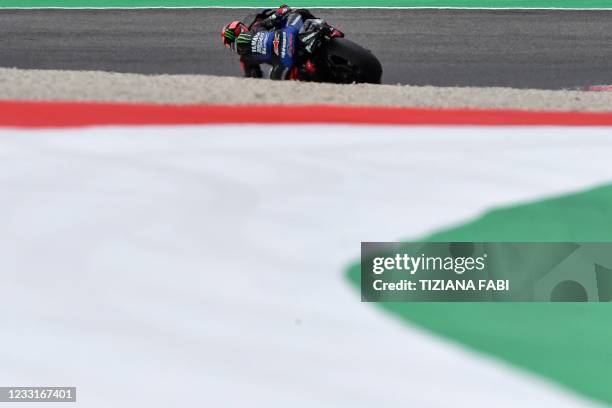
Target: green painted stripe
569, 343
580, 4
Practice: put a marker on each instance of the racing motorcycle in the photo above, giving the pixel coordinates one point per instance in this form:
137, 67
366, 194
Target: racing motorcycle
333, 58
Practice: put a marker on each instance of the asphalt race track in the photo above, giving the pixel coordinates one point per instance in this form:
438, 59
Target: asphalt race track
522, 49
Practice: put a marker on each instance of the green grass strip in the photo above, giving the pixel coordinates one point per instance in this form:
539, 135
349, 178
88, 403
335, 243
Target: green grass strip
569, 343
312, 3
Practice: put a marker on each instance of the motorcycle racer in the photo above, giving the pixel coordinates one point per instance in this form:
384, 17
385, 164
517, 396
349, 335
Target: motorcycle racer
274, 37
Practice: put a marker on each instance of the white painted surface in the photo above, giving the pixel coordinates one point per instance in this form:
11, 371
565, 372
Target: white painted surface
204, 266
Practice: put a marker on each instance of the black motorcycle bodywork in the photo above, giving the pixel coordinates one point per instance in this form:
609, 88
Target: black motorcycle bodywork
342, 61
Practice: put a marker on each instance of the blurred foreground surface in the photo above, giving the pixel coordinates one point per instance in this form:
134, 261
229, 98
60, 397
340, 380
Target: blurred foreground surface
178, 265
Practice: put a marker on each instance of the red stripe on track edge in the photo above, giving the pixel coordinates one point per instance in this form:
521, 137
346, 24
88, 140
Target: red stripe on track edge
74, 114
599, 88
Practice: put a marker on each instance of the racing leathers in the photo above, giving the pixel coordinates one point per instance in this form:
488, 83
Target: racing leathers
273, 38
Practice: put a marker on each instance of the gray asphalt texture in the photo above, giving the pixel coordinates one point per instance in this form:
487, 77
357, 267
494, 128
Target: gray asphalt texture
518, 48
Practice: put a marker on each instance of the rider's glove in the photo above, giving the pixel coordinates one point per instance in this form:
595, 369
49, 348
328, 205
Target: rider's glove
314, 24
282, 10
277, 16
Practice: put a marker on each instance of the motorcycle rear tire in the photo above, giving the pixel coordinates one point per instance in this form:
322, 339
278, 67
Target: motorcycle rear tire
349, 62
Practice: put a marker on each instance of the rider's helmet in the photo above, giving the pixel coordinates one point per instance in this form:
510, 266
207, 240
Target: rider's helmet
231, 31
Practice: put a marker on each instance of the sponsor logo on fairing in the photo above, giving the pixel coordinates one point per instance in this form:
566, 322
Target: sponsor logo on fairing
258, 45
276, 42
295, 20
309, 40
284, 46
290, 48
